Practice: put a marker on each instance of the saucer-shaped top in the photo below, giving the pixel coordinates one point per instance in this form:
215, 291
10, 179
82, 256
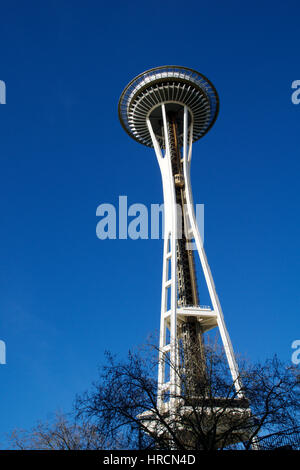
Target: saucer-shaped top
175, 86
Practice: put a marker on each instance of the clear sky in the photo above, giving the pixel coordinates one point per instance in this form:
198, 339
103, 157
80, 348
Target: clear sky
65, 295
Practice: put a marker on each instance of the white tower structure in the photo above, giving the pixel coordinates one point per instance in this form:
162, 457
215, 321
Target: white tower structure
169, 108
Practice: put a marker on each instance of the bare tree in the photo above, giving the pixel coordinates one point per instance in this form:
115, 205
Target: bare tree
64, 432
209, 415
120, 410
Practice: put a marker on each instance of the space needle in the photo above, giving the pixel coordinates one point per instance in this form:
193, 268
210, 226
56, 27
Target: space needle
169, 108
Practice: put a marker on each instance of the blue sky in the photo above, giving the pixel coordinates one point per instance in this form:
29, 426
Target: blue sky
65, 295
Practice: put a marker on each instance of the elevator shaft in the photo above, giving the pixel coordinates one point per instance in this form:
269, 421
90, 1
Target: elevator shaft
189, 331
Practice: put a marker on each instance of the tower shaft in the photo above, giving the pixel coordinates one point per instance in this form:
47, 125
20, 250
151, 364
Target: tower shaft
183, 320
189, 333
186, 275
168, 108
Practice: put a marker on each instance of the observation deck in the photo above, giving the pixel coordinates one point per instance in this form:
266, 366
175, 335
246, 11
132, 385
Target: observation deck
175, 87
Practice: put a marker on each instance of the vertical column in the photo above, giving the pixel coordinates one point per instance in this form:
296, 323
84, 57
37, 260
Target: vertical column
187, 154
167, 387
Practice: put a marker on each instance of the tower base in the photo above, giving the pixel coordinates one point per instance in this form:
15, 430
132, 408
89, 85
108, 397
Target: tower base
227, 418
